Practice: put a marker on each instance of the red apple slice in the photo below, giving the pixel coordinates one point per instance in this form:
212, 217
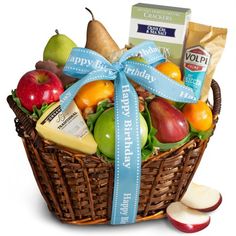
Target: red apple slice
202, 198
186, 219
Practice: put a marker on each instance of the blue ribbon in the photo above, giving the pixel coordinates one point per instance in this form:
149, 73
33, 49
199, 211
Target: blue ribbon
88, 66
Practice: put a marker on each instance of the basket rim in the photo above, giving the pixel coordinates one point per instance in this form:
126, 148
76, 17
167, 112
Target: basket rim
47, 145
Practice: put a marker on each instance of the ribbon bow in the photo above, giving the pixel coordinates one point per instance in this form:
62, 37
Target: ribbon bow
91, 66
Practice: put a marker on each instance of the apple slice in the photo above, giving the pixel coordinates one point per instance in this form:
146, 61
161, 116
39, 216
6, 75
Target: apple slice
202, 198
186, 219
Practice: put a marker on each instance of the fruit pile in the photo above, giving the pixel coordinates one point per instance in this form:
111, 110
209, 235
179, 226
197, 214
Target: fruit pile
164, 124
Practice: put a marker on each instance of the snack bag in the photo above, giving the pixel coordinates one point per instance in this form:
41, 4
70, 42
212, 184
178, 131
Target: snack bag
204, 46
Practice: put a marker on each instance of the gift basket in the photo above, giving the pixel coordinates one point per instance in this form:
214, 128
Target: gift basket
78, 188
85, 150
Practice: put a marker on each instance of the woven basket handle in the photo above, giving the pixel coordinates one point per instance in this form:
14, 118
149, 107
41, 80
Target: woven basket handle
24, 124
216, 99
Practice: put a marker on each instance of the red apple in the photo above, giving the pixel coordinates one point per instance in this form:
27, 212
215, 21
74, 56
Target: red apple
186, 219
170, 122
202, 198
38, 87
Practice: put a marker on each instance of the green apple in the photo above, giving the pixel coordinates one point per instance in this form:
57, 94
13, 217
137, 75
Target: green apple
104, 132
58, 49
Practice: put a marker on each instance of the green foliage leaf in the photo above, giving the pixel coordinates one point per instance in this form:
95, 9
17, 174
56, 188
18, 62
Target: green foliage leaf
92, 118
151, 140
167, 146
179, 105
203, 135
18, 103
36, 112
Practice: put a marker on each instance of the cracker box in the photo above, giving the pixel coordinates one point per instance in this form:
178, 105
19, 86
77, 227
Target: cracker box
165, 25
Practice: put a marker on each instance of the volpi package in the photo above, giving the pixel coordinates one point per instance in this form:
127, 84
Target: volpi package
164, 25
204, 46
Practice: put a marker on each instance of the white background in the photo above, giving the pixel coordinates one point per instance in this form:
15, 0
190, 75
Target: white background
25, 27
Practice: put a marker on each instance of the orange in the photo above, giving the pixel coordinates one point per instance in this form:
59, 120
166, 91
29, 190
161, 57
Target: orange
92, 93
199, 115
171, 70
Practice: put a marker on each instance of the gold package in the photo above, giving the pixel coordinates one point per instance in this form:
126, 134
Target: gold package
203, 41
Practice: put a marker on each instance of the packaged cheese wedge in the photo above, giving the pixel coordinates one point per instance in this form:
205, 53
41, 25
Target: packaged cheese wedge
66, 128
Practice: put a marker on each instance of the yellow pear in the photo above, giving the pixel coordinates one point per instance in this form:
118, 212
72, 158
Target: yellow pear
99, 40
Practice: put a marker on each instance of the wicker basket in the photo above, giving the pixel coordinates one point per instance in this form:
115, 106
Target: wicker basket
78, 187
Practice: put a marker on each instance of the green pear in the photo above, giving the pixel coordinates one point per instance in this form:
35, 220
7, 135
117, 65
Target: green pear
58, 49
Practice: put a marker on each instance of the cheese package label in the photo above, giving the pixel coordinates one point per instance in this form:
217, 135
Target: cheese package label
66, 128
